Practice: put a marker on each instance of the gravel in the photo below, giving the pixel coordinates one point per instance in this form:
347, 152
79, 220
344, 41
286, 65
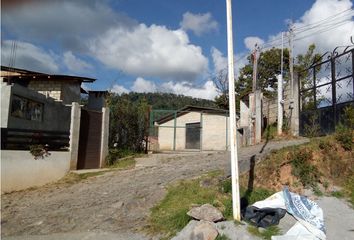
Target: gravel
115, 203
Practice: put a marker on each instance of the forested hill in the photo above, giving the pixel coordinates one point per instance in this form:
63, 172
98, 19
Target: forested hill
167, 101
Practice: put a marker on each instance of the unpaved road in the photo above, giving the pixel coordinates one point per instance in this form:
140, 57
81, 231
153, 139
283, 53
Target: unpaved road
114, 205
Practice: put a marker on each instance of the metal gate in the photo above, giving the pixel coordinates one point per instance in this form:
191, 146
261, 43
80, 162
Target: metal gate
90, 139
326, 88
193, 135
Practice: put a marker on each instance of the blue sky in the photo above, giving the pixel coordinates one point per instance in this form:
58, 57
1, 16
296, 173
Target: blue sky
159, 45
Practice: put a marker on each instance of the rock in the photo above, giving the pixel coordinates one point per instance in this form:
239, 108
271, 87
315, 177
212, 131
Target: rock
186, 232
204, 231
206, 212
117, 204
261, 230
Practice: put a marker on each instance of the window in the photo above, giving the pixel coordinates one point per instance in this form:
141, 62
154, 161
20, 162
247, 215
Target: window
26, 109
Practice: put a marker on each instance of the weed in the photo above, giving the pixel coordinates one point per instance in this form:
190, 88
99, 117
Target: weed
312, 129
344, 136
325, 145
270, 132
38, 151
170, 215
127, 163
255, 195
349, 189
317, 191
337, 194
326, 184
222, 237
266, 234
303, 169
116, 154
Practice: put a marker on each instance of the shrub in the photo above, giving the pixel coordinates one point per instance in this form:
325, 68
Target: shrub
270, 132
312, 129
303, 169
344, 136
115, 154
39, 151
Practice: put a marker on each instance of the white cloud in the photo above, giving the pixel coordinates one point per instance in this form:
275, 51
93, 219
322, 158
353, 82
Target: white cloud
250, 42
142, 85
220, 62
67, 22
29, 56
198, 23
119, 89
207, 91
75, 64
153, 51
325, 40
327, 25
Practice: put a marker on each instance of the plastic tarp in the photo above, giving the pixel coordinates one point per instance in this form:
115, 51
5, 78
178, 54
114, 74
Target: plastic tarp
310, 225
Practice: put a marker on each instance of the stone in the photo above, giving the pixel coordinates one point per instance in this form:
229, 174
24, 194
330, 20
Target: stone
206, 212
204, 231
117, 204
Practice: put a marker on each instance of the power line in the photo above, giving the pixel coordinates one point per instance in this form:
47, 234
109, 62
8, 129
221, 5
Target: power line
329, 23
326, 19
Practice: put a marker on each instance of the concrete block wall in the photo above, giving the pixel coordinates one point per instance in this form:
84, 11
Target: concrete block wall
64, 91
213, 131
50, 88
56, 116
270, 106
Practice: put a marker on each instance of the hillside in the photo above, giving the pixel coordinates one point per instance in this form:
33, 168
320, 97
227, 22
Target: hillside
168, 101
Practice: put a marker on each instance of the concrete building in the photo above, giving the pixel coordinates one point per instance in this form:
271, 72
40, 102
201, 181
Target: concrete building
194, 128
42, 111
64, 88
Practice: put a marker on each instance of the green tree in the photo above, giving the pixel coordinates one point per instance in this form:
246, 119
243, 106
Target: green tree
269, 64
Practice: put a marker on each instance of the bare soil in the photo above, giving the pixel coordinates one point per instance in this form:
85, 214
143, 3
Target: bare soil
116, 202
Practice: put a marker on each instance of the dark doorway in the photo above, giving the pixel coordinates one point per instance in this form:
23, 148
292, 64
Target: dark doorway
193, 135
90, 139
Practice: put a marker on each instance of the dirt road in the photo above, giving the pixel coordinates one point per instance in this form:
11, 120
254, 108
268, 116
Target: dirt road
114, 204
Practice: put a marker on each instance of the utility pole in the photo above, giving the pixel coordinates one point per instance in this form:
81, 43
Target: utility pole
255, 63
232, 110
254, 120
291, 60
280, 88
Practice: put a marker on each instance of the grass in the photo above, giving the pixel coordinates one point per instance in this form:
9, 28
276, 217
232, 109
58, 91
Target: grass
170, 215
222, 237
349, 189
123, 164
266, 234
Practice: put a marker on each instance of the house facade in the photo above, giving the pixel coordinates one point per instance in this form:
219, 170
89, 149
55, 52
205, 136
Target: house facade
194, 128
64, 88
42, 111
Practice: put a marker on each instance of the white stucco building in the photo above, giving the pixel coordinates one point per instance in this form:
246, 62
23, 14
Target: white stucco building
194, 128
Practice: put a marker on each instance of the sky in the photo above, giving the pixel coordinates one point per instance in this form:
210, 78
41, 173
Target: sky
160, 45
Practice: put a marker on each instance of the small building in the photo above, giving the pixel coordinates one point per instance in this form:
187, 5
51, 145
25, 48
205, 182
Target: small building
64, 88
194, 128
